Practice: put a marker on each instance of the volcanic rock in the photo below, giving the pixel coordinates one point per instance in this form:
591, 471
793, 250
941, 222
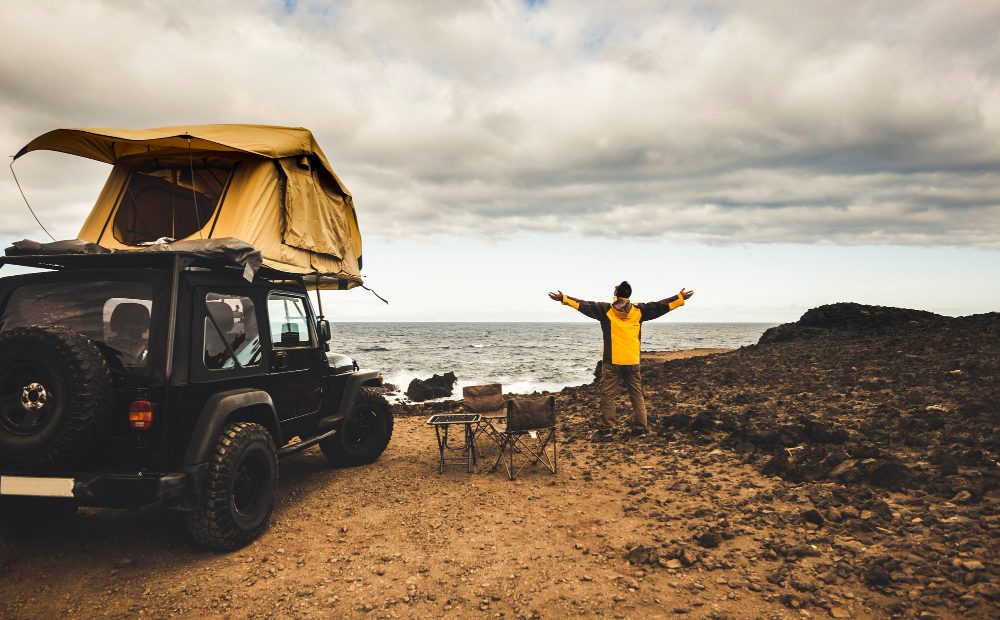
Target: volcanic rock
848, 317
709, 539
643, 554
438, 386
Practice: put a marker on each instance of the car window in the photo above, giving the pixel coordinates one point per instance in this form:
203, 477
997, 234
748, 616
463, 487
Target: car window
232, 337
114, 313
289, 321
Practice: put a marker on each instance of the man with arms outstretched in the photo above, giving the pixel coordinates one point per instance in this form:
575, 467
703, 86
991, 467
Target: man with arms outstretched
621, 323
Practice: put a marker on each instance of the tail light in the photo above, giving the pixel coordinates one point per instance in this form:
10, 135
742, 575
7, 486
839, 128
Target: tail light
140, 415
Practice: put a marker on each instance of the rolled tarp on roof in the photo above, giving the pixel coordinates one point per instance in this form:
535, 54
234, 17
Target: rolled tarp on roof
299, 215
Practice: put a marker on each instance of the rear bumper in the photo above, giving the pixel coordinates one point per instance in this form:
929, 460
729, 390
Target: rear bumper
109, 489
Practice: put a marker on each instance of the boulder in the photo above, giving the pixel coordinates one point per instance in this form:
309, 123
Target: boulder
438, 386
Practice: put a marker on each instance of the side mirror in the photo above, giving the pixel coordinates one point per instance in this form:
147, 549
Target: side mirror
323, 330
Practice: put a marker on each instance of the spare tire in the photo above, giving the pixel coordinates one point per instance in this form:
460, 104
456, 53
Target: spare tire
55, 395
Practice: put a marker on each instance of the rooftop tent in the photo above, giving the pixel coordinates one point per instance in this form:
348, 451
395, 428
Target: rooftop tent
270, 187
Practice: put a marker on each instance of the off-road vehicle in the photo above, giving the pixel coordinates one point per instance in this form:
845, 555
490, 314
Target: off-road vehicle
137, 378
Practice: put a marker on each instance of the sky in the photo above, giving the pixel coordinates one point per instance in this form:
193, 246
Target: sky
772, 156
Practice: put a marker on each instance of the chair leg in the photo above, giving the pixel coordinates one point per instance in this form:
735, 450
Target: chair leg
511, 474
534, 451
555, 443
504, 441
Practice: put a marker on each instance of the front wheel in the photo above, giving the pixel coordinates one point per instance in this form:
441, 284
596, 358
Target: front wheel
238, 496
365, 434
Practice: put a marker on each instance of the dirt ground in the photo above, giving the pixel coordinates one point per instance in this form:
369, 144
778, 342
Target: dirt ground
627, 528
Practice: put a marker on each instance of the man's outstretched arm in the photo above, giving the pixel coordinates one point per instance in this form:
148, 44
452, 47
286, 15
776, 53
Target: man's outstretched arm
592, 309
656, 309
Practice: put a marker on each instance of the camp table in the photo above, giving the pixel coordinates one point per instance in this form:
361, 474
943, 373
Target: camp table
441, 423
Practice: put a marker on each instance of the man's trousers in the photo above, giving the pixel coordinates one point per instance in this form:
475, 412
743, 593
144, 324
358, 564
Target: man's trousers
612, 378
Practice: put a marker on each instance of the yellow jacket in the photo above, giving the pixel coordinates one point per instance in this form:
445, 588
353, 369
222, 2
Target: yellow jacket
621, 323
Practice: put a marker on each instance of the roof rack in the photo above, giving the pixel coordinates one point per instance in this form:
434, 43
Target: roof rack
137, 260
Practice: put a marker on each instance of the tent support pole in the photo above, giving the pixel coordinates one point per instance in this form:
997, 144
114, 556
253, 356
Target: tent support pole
319, 298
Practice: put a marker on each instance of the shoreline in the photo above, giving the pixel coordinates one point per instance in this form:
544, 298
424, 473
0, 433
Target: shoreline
402, 405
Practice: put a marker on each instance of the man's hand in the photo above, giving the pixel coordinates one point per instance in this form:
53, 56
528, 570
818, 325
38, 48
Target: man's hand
686, 294
557, 296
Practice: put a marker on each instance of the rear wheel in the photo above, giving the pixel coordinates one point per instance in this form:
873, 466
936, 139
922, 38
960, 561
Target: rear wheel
238, 497
365, 434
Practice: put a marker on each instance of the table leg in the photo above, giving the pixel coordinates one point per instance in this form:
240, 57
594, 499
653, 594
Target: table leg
442, 440
469, 448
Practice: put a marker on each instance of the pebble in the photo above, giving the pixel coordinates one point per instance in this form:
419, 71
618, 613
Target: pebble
973, 565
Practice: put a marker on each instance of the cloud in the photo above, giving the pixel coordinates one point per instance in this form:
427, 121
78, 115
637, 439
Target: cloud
730, 122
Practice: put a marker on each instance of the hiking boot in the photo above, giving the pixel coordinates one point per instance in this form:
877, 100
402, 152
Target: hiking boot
638, 431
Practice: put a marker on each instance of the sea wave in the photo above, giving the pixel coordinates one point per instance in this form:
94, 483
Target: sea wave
524, 357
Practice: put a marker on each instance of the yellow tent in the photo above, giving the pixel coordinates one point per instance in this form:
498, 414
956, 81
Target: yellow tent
270, 187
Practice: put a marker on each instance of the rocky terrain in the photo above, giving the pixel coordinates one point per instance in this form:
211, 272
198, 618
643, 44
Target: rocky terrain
845, 467
886, 422
883, 425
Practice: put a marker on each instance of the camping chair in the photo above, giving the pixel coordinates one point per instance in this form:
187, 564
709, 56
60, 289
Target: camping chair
487, 401
531, 427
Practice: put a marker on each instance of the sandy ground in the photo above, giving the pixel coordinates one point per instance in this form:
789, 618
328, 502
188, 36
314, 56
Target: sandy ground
396, 539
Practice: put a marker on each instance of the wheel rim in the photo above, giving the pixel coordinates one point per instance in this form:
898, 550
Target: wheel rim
26, 399
362, 429
249, 484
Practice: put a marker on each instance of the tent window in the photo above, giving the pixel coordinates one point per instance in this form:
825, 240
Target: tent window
168, 201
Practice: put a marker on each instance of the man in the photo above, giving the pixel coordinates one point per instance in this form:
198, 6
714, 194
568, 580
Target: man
621, 323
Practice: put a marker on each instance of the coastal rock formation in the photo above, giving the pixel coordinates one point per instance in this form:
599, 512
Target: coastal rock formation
850, 317
895, 398
438, 386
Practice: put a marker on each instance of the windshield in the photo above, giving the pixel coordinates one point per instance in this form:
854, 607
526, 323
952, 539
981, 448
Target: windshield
114, 313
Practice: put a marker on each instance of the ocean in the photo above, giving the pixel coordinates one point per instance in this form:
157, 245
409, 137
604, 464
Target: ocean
524, 357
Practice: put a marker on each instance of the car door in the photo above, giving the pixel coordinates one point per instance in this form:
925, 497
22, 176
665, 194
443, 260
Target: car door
297, 371
227, 336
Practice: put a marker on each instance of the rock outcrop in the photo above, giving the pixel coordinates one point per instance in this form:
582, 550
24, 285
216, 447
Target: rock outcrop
438, 386
849, 317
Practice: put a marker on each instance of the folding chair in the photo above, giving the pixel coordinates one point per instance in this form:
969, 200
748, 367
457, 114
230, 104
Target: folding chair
531, 427
487, 401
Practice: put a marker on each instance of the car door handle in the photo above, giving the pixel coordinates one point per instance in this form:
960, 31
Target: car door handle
280, 360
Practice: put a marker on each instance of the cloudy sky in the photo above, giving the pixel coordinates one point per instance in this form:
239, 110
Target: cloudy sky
772, 156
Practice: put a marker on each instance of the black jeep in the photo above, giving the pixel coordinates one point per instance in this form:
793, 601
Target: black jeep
168, 378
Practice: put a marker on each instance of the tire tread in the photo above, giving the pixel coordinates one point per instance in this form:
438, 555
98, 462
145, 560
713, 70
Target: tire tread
211, 524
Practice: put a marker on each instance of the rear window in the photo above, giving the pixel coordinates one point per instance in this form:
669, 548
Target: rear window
114, 313
169, 201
